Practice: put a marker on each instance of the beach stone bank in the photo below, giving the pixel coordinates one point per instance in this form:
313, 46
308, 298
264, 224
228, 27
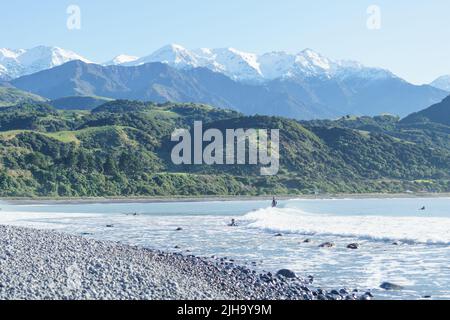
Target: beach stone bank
38, 264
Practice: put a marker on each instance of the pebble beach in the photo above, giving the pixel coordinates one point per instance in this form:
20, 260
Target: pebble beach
37, 264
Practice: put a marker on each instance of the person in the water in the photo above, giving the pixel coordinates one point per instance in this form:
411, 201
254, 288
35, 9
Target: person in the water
423, 208
274, 203
233, 223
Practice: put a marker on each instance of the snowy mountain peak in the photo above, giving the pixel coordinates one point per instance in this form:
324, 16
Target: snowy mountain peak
6, 53
250, 67
175, 47
22, 62
172, 54
48, 57
312, 59
236, 64
442, 83
120, 59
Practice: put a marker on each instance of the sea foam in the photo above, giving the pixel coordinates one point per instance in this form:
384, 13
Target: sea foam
428, 230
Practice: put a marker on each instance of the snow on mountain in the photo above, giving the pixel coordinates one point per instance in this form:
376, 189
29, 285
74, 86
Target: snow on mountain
173, 55
231, 62
236, 64
345, 69
3, 73
250, 67
276, 64
120, 60
442, 83
22, 62
311, 63
9, 63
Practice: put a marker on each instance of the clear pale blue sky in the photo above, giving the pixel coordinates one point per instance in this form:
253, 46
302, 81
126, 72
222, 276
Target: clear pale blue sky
413, 41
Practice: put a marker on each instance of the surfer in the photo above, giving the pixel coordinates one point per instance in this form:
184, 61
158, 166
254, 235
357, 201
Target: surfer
233, 223
423, 208
274, 203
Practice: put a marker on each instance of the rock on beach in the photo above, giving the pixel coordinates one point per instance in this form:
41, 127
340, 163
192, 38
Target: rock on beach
37, 264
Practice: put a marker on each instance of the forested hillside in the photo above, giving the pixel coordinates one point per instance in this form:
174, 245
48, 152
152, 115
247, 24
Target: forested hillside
122, 148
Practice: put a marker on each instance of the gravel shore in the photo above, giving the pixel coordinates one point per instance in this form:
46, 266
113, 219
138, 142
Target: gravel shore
37, 264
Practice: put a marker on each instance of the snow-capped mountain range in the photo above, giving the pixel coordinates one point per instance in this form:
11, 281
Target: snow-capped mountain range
236, 64
17, 63
305, 85
249, 67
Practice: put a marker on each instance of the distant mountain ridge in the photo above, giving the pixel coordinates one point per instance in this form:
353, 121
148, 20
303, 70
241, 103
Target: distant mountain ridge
12, 96
442, 83
235, 64
17, 63
251, 67
437, 113
295, 97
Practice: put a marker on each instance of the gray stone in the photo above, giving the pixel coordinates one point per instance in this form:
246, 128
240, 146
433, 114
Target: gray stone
335, 292
286, 273
327, 245
390, 286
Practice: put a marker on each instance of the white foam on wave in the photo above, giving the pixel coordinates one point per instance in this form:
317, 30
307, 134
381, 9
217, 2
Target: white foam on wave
427, 230
40, 220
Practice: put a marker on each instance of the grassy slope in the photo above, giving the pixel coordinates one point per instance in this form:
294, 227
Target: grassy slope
79, 103
12, 96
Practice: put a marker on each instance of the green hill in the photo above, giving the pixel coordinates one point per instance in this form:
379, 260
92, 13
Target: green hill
11, 96
438, 113
122, 148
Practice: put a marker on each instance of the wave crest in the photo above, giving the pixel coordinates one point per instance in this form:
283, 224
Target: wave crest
426, 230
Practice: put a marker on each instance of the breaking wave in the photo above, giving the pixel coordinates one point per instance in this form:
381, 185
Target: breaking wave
426, 230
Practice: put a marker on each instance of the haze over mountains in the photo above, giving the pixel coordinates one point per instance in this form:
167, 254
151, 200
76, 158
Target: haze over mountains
305, 85
442, 82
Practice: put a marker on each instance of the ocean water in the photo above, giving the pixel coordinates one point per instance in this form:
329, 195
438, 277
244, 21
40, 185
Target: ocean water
419, 262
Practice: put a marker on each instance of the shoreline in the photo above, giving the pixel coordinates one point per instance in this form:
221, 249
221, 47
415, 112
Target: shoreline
170, 199
39, 264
